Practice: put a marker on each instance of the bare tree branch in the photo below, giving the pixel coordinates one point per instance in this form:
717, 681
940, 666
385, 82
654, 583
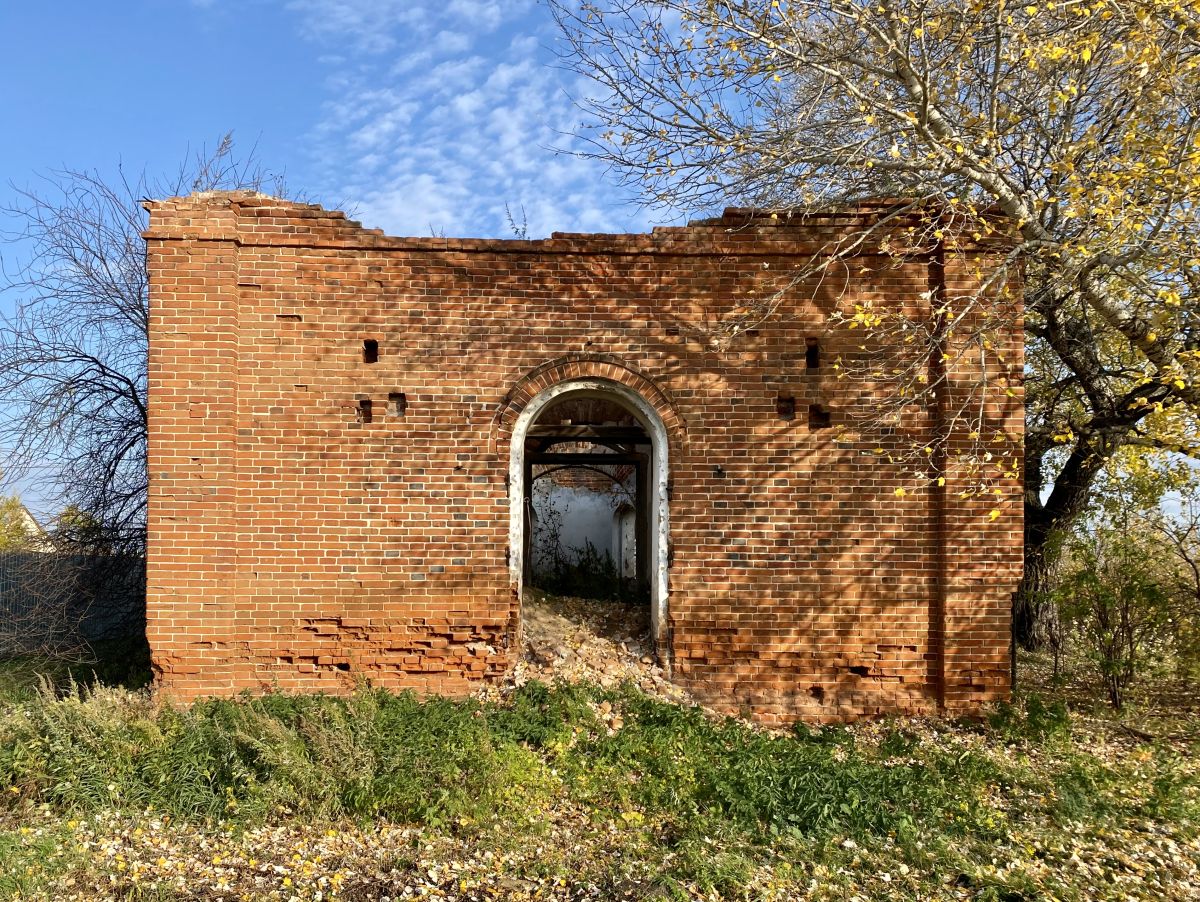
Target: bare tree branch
1078, 123
73, 353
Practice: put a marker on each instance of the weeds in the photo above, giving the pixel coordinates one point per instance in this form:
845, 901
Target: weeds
650, 791
1032, 719
586, 573
118, 662
442, 761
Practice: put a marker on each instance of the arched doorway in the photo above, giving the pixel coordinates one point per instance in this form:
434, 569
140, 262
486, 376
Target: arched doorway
603, 425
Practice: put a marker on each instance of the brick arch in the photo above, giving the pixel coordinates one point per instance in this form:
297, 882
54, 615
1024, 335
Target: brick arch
588, 366
651, 406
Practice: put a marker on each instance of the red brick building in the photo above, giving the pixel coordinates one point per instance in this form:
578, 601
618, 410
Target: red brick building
342, 426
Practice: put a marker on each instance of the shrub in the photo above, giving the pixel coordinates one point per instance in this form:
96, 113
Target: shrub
1030, 719
1113, 598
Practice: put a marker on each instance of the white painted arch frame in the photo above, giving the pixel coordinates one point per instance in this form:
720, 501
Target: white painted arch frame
660, 535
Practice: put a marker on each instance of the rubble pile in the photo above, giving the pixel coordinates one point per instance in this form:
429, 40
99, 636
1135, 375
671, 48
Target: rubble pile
591, 640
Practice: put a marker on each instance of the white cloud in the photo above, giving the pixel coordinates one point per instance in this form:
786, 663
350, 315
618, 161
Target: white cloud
384, 128
447, 41
442, 112
371, 26
450, 77
484, 14
420, 204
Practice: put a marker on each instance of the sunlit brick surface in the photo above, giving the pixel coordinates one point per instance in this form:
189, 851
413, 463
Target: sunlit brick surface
293, 545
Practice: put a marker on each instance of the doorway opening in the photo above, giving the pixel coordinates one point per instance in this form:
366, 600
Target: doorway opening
588, 496
587, 463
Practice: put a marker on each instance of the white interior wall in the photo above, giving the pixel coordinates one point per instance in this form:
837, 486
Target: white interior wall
583, 515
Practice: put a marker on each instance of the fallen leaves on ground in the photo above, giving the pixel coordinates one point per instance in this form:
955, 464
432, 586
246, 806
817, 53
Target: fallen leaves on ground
1130, 835
589, 640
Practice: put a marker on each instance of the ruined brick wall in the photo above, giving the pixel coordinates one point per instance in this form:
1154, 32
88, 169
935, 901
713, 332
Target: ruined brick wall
316, 517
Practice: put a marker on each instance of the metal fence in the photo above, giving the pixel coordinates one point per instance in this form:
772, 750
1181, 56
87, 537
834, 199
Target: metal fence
51, 602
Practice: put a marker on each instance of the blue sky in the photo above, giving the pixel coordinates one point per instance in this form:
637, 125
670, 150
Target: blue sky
420, 115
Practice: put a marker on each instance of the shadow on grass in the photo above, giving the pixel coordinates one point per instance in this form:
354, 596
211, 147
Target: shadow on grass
121, 663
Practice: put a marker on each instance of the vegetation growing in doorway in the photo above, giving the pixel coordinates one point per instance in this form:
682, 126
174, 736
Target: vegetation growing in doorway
584, 572
580, 571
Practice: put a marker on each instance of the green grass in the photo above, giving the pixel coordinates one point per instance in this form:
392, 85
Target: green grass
121, 662
669, 799
439, 761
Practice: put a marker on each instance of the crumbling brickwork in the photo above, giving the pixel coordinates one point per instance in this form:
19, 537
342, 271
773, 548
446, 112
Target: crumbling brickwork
324, 509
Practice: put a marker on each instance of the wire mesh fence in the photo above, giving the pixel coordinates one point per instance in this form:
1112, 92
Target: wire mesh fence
56, 603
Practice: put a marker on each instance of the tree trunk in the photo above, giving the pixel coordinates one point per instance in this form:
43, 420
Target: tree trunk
1035, 615
1035, 622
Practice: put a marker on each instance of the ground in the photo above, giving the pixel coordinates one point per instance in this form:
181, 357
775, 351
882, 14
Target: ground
610, 788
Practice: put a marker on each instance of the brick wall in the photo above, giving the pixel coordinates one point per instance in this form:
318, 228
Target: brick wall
295, 544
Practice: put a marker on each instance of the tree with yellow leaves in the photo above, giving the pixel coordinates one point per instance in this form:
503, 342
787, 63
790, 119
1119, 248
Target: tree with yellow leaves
1076, 122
